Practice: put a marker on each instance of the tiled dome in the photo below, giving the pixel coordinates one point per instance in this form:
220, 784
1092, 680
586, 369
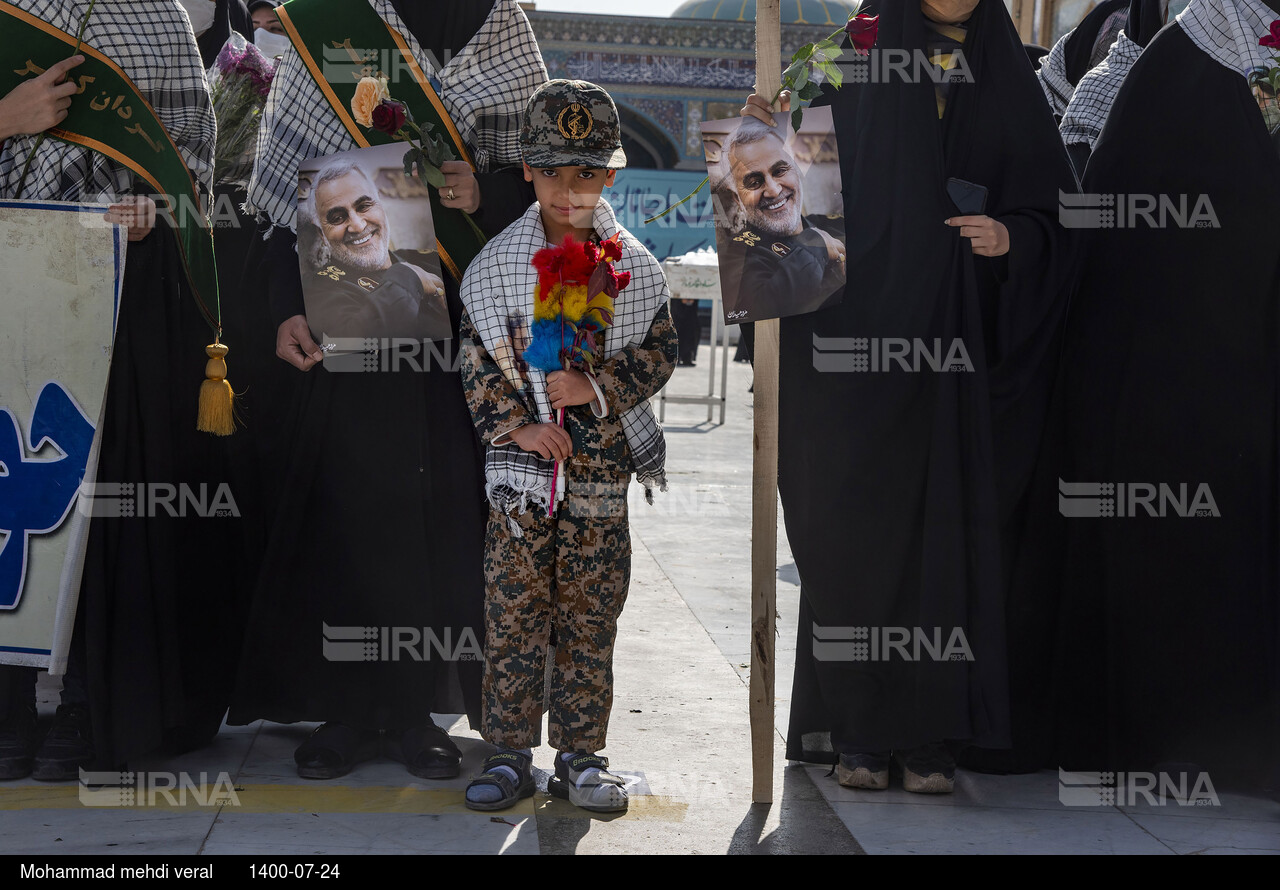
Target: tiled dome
829, 13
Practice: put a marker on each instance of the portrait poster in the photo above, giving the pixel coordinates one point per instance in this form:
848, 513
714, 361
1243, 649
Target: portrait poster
367, 252
780, 230
63, 271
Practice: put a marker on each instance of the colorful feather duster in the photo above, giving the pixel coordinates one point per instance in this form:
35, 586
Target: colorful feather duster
572, 308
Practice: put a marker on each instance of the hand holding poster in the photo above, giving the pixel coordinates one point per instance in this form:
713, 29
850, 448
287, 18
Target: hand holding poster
779, 215
367, 251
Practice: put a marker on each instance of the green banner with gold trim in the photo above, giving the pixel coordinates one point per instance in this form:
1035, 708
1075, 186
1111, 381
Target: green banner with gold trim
341, 42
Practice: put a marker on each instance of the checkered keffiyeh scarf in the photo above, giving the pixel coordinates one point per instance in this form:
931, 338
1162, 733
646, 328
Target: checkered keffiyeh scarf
152, 42
1052, 75
1097, 90
1229, 30
499, 286
484, 88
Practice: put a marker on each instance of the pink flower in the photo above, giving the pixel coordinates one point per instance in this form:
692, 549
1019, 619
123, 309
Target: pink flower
862, 30
1272, 39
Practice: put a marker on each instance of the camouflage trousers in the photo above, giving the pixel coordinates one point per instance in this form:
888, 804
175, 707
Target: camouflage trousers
569, 572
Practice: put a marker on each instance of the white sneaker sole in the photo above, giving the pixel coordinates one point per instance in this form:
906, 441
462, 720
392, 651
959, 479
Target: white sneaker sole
935, 783
862, 778
607, 798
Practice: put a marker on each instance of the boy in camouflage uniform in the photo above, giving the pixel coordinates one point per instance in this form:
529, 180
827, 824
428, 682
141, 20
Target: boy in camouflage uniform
568, 570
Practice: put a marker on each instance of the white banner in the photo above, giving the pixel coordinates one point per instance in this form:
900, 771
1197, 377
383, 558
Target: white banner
63, 267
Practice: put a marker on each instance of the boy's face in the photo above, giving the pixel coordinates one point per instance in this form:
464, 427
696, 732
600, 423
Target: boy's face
568, 195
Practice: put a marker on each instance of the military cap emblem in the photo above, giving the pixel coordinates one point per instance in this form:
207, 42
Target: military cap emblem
575, 121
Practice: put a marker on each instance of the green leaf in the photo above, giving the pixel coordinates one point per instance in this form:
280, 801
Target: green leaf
833, 75
433, 175
826, 48
811, 91
789, 76
797, 116
803, 54
409, 157
802, 78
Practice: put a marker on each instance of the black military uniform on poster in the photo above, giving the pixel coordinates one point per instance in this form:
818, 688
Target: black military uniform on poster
790, 274
364, 303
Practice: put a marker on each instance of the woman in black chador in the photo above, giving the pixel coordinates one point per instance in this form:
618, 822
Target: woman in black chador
380, 522
903, 478
1170, 598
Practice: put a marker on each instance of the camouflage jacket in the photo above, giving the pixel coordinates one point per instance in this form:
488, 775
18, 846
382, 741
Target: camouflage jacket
627, 378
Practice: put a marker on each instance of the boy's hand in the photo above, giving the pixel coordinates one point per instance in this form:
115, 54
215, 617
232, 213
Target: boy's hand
569, 388
545, 439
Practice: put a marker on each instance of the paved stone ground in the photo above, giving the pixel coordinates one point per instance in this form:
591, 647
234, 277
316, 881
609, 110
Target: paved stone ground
679, 732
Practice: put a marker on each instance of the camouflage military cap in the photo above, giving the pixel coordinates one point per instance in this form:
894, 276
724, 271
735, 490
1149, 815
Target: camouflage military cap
571, 123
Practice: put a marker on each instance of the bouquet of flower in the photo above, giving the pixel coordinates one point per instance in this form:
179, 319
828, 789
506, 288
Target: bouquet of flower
240, 81
572, 308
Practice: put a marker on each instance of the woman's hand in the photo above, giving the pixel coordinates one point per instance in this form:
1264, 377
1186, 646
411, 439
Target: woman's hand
136, 212
987, 236
461, 191
34, 106
758, 107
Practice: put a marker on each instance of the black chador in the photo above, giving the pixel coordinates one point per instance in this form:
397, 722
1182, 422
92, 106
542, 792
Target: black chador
901, 487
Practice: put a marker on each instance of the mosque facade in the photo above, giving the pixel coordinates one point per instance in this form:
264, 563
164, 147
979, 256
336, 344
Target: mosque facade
669, 75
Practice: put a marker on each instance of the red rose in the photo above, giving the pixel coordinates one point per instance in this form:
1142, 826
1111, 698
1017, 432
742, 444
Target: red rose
1272, 39
862, 32
612, 250
389, 116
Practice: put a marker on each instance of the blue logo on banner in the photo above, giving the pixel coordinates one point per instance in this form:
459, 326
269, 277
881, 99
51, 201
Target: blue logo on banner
36, 495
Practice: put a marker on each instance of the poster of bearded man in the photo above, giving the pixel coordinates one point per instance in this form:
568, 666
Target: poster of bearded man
368, 255
780, 231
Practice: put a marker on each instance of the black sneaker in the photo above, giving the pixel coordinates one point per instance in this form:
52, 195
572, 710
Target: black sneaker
18, 742
67, 748
929, 769
868, 770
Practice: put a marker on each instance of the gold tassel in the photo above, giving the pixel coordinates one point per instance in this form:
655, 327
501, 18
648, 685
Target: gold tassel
217, 399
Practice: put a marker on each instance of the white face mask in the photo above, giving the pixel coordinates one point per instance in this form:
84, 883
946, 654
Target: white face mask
201, 14
272, 45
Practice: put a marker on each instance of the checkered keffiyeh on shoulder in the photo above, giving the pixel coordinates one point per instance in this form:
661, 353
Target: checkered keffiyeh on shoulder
1097, 90
1228, 31
499, 286
152, 42
1052, 75
484, 88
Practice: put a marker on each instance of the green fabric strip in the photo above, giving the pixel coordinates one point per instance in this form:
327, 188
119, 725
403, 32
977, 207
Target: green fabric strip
340, 42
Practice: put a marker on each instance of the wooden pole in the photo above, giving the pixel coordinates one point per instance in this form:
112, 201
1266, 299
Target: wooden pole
764, 479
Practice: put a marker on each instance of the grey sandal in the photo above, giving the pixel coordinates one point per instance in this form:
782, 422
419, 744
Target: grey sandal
512, 791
